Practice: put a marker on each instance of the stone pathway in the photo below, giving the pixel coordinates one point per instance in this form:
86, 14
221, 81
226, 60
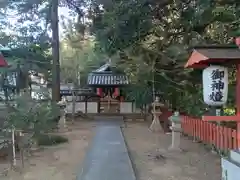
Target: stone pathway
107, 157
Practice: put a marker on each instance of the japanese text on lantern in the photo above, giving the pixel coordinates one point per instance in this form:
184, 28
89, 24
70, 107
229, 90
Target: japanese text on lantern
217, 85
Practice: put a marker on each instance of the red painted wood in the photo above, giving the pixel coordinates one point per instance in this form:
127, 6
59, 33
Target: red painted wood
3, 62
221, 118
222, 137
234, 136
237, 41
164, 119
238, 103
99, 92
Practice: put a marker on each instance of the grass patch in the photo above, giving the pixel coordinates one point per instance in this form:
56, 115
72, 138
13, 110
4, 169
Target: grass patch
50, 140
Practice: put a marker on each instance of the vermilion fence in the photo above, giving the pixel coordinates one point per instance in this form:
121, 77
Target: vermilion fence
223, 138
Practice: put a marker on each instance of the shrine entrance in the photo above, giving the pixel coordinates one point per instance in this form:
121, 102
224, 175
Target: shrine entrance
103, 97
109, 105
107, 82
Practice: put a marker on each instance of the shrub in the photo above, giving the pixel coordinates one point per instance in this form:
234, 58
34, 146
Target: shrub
33, 116
50, 140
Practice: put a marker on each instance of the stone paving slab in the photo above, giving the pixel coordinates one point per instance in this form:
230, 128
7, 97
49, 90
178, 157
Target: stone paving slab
107, 157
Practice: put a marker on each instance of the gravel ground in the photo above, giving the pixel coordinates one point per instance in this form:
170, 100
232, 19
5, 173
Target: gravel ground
152, 160
58, 162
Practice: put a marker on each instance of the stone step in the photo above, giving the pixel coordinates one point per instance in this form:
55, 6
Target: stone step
235, 156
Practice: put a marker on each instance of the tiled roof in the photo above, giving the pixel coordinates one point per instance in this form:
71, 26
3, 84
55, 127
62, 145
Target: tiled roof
103, 68
220, 53
107, 78
203, 56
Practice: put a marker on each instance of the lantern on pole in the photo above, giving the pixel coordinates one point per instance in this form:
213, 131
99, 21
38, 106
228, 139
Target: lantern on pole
215, 85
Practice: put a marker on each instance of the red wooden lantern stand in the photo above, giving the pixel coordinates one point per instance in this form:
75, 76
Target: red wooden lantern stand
202, 57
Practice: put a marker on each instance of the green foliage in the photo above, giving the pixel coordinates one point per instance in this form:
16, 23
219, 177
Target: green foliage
139, 94
136, 35
29, 58
27, 36
32, 116
50, 139
121, 26
164, 33
77, 60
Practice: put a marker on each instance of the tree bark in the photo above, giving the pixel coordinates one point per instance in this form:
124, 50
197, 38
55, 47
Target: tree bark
55, 52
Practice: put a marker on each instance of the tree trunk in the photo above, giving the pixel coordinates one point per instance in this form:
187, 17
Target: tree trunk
55, 52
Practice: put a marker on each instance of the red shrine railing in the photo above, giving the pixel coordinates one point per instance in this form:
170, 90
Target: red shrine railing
220, 137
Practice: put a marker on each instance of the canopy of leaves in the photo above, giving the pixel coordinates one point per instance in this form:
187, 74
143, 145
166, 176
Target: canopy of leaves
77, 55
32, 116
23, 31
152, 40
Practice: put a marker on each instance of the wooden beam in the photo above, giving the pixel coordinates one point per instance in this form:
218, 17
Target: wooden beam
221, 118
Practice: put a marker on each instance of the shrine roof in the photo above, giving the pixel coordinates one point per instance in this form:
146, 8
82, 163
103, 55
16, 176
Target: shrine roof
107, 75
103, 68
107, 79
202, 56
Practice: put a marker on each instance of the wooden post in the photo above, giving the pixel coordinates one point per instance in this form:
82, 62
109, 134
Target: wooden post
73, 105
108, 100
133, 107
13, 147
85, 101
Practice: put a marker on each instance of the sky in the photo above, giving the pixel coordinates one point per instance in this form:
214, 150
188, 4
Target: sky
62, 11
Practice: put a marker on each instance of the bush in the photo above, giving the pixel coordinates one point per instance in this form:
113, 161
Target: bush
50, 140
34, 116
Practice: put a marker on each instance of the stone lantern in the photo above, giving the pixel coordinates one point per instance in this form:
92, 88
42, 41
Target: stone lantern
156, 126
62, 104
176, 131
